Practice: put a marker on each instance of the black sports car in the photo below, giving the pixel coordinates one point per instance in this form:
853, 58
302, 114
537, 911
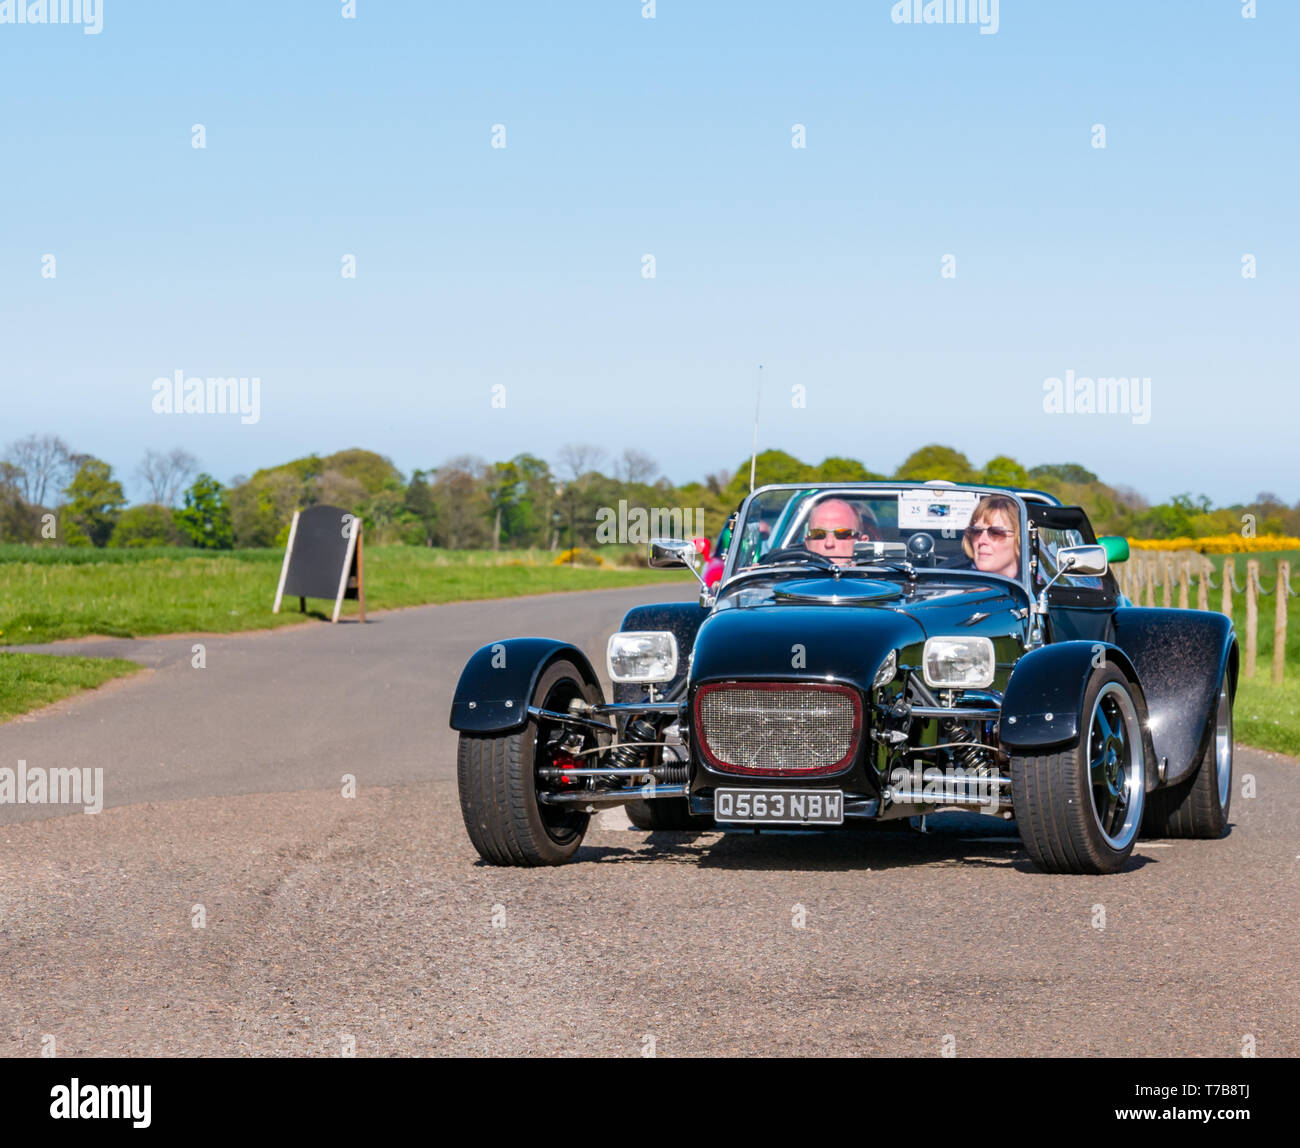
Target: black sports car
884, 650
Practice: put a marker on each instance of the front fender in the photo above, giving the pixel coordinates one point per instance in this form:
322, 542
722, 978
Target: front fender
1181, 655
1043, 703
499, 679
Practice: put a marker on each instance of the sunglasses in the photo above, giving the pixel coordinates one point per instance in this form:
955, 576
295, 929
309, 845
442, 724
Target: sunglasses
843, 534
1000, 533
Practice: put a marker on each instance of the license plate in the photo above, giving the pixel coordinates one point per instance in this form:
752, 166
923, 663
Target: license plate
779, 806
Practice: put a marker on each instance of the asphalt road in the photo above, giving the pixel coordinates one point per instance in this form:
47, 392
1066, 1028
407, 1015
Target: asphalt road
328, 920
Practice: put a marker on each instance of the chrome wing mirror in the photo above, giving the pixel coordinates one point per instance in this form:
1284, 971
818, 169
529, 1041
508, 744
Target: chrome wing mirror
1087, 560
673, 553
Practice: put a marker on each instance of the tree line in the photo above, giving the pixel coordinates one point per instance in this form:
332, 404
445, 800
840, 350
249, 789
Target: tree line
51, 493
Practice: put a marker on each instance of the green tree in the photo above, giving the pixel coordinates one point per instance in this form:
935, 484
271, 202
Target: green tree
936, 461
205, 517
506, 491
537, 503
1004, 471
1070, 472
773, 466
417, 501
463, 509
262, 506
95, 500
1167, 520
147, 525
844, 470
19, 521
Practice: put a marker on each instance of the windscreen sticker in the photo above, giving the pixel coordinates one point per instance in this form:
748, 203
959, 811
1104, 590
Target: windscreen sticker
936, 509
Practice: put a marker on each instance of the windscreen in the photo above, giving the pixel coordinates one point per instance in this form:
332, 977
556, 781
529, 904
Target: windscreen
783, 518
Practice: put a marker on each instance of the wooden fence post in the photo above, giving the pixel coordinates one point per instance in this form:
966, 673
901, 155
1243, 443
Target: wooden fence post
1203, 586
1151, 583
1228, 572
1168, 584
1184, 576
1252, 615
1279, 620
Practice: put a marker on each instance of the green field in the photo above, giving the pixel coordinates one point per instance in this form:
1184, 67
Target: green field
1267, 716
46, 594
28, 681
66, 593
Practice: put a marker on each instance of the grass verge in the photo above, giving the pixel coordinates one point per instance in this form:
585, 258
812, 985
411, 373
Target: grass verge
131, 595
29, 681
1268, 716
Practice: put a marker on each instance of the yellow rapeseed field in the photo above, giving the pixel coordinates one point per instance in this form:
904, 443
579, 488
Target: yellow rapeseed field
1219, 543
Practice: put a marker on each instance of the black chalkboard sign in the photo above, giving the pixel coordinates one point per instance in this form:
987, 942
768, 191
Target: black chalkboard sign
323, 559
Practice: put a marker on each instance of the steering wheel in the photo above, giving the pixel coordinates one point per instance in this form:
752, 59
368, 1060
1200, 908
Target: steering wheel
795, 554
920, 549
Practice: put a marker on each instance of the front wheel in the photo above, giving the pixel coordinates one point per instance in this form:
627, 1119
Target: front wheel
1079, 811
498, 782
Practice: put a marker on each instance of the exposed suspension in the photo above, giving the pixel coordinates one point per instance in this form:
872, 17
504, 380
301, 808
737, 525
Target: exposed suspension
971, 755
631, 753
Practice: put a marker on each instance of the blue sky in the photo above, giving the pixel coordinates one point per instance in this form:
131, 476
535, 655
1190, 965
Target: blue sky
670, 136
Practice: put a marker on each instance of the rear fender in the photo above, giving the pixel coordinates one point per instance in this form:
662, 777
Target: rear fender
1181, 656
496, 686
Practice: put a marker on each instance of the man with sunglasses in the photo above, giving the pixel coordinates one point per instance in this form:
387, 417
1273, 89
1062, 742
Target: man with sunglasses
833, 527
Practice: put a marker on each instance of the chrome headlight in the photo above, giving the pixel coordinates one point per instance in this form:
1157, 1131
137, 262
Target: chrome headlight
964, 663
888, 668
642, 656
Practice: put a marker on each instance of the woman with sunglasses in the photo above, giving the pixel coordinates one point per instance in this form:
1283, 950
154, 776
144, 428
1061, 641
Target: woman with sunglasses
992, 540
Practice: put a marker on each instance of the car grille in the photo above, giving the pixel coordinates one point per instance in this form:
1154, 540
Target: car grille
777, 730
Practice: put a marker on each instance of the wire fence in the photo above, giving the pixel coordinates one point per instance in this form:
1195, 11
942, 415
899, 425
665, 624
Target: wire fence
1168, 580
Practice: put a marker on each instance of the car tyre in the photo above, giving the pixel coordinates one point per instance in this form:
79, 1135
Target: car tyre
1198, 806
496, 775
1079, 810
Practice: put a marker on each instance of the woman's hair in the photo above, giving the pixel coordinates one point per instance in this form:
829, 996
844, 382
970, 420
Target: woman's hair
987, 507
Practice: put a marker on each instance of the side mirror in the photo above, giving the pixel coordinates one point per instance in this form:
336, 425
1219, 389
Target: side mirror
670, 553
1116, 548
1082, 560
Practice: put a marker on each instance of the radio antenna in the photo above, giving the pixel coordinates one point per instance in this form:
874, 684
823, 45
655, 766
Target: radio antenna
753, 458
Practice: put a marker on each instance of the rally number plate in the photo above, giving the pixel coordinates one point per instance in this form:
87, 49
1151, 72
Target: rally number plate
779, 806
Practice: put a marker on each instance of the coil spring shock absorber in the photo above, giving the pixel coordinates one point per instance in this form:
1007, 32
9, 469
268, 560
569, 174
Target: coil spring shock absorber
628, 754
973, 757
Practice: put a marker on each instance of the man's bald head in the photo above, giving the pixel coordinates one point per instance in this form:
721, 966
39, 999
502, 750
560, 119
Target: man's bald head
827, 517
